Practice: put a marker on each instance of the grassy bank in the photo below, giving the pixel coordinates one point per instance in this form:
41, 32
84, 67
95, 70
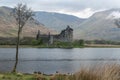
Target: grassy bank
18, 76
42, 46
102, 46
106, 72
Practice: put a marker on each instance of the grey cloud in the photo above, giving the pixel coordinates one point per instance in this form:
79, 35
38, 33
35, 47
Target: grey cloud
70, 5
76, 5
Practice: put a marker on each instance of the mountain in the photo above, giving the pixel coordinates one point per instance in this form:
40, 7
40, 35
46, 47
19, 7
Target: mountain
101, 25
104, 25
8, 27
57, 21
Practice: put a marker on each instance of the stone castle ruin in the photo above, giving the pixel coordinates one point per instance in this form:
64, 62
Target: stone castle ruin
66, 35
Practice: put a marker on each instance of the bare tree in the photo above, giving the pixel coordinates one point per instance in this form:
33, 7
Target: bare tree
21, 14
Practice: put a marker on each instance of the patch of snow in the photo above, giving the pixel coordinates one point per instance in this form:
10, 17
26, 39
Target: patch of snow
114, 15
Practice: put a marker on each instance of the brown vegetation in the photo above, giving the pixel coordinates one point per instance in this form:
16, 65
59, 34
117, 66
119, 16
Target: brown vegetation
106, 72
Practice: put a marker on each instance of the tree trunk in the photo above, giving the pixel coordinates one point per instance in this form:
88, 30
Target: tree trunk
17, 50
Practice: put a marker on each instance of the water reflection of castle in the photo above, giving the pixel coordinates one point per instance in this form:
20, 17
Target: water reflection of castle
66, 35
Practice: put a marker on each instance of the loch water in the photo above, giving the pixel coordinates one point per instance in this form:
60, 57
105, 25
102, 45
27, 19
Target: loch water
50, 60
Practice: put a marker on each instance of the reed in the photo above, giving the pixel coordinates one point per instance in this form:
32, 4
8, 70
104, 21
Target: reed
105, 72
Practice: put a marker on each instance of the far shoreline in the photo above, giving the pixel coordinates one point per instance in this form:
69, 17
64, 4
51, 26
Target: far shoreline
85, 46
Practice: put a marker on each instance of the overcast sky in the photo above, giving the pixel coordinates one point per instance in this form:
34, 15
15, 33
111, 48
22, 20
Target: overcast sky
80, 8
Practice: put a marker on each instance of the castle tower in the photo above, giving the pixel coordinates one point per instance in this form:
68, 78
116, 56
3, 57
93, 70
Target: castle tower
69, 34
38, 35
50, 38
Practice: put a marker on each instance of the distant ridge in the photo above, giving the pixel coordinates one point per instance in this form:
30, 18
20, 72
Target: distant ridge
57, 21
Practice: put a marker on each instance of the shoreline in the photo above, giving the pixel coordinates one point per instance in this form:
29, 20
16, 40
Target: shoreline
102, 46
85, 73
86, 46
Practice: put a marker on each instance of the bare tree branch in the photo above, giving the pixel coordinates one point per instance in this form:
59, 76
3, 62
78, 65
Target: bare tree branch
21, 14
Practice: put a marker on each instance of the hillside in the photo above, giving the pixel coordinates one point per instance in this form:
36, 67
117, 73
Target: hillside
8, 27
100, 26
57, 21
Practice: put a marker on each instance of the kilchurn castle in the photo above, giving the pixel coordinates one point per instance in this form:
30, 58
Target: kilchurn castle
66, 35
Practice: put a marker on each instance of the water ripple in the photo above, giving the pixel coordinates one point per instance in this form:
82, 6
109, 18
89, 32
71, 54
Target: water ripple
62, 60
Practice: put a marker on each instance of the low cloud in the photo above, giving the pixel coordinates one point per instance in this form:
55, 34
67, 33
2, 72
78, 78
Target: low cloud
80, 8
85, 13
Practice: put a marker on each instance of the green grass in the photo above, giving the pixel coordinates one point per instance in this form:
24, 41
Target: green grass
18, 76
